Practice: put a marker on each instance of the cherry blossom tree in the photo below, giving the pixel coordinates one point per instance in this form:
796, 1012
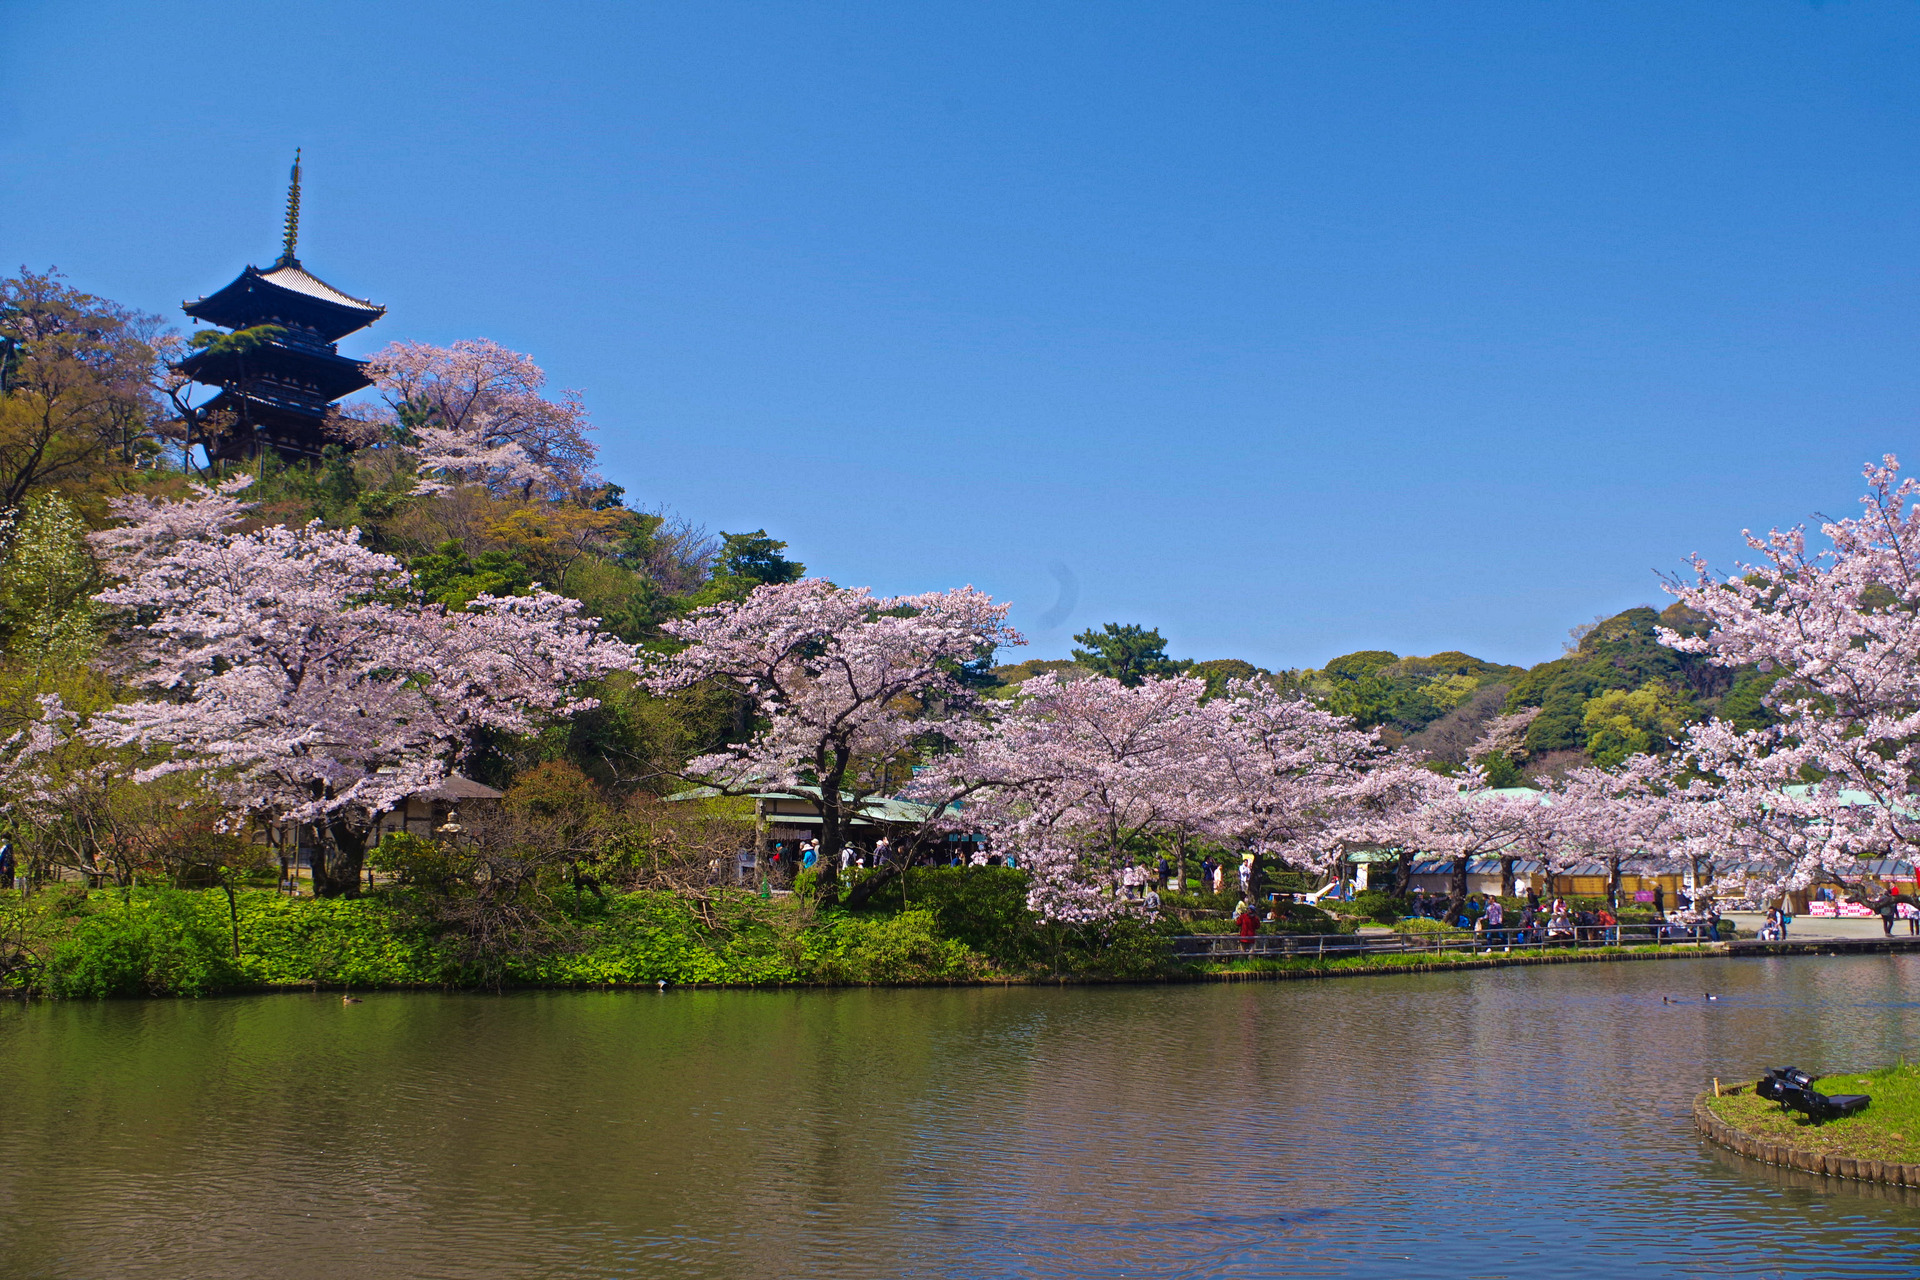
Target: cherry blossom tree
1839, 628
844, 682
1293, 778
1075, 776
1636, 811
295, 673
476, 413
1459, 819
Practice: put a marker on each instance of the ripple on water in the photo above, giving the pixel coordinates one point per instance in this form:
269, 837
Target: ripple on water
1524, 1122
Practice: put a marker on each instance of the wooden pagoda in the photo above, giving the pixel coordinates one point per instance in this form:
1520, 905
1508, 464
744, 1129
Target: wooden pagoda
276, 385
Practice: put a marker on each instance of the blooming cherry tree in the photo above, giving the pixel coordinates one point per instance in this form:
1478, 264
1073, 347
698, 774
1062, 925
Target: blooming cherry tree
1294, 780
1832, 782
293, 670
1073, 774
477, 414
842, 680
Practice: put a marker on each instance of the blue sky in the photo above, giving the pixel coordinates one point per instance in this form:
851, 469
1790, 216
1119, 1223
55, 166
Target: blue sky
1288, 329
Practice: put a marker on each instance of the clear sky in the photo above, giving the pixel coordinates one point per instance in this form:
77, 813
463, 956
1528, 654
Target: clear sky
1288, 329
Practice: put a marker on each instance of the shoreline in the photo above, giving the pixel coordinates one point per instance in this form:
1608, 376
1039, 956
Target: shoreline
1272, 971
1787, 1155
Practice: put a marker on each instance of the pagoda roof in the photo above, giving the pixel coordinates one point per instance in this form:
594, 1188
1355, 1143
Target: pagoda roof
285, 291
326, 372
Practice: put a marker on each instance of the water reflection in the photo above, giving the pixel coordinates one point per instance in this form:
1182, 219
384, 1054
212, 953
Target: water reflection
1508, 1122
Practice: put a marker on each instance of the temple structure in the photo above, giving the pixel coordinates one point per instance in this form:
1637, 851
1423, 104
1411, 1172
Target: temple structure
276, 383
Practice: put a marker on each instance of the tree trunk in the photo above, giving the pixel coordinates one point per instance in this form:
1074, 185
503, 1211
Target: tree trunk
1457, 890
1403, 875
233, 914
833, 829
1506, 877
860, 893
762, 840
338, 856
1613, 884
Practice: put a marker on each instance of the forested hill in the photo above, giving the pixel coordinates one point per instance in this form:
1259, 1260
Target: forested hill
1615, 691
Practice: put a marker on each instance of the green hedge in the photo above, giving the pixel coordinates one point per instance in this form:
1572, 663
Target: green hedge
940, 925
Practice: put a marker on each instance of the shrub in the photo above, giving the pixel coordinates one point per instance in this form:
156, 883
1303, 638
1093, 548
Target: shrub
983, 907
160, 942
1377, 905
902, 948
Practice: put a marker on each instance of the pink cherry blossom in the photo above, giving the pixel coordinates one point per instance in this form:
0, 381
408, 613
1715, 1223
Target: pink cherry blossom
843, 681
1839, 628
486, 418
295, 673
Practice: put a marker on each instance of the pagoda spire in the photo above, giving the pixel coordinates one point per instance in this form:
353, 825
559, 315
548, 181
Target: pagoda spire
292, 238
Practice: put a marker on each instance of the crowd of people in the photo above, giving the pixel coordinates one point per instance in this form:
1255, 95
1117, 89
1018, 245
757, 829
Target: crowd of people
1535, 920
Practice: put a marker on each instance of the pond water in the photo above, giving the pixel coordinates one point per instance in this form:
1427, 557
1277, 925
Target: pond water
1519, 1122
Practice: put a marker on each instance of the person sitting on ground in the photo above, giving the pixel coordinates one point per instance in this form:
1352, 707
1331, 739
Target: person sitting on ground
1151, 903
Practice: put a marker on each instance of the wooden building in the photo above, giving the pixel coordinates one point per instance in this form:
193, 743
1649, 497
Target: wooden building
277, 386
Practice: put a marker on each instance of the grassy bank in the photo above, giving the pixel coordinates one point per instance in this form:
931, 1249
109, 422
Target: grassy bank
937, 926
1889, 1129
949, 926
1345, 966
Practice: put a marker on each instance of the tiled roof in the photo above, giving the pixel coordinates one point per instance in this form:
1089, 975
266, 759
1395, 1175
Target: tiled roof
296, 278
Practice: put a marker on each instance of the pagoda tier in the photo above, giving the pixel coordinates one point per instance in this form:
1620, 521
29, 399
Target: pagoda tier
299, 369
284, 294
277, 392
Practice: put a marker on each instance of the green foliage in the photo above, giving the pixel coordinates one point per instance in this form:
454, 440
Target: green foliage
756, 557
1619, 653
448, 575
983, 907
412, 860
1378, 687
161, 942
1618, 724
1503, 771
237, 343
906, 947
1745, 704
746, 561
46, 589
1129, 654
1378, 905
1218, 671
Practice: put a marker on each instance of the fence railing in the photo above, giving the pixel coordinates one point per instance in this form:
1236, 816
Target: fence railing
1231, 946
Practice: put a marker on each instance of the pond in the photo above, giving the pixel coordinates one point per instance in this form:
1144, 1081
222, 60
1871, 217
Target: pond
1517, 1122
